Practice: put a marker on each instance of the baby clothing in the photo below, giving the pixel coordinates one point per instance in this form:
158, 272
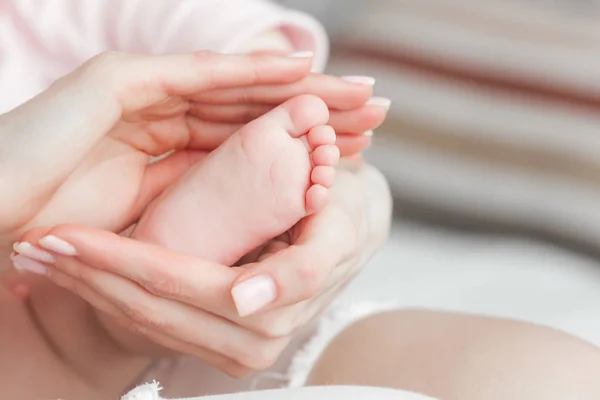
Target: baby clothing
151, 391
42, 40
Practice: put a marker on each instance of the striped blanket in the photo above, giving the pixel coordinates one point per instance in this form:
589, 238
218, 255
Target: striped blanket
496, 107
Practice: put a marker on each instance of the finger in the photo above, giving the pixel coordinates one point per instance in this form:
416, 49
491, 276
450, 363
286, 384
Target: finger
159, 176
351, 144
285, 320
225, 364
160, 271
298, 272
276, 52
272, 247
177, 320
21, 274
207, 135
100, 303
338, 93
84, 291
211, 125
17, 284
230, 113
314, 307
185, 74
97, 95
358, 120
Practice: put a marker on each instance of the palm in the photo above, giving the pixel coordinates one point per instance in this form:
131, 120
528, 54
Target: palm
93, 170
104, 190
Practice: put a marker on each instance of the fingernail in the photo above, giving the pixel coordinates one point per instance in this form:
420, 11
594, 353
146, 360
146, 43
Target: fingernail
302, 54
22, 263
29, 250
365, 80
57, 245
368, 133
379, 101
253, 294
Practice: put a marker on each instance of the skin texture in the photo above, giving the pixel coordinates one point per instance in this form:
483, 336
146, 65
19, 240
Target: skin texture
265, 178
129, 143
133, 118
461, 357
155, 96
359, 195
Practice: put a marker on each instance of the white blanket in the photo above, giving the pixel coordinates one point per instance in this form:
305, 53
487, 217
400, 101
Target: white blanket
150, 392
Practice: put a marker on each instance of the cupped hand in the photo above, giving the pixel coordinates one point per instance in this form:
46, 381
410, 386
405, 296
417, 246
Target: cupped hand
186, 305
79, 152
353, 113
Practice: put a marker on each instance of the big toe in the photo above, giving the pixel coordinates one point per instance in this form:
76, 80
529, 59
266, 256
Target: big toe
300, 114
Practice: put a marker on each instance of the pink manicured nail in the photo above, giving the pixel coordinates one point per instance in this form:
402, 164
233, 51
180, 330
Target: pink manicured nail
253, 294
22, 263
380, 101
29, 250
365, 80
302, 54
57, 245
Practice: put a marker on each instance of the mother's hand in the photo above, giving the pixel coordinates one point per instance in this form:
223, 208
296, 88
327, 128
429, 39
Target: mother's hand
79, 151
186, 305
353, 114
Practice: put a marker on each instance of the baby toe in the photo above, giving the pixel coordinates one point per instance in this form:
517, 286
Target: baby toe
317, 198
321, 136
323, 175
328, 155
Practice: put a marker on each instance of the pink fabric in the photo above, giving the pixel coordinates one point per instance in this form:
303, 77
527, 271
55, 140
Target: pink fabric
41, 40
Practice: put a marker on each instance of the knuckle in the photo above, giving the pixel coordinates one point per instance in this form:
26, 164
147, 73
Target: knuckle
206, 60
261, 357
107, 59
85, 274
164, 284
133, 327
102, 71
273, 326
251, 114
76, 287
102, 63
144, 315
310, 280
236, 371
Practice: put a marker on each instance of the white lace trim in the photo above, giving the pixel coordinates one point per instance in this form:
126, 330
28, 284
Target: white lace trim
147, 391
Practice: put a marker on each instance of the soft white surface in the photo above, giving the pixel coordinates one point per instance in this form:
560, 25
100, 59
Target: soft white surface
151, 392
486, 274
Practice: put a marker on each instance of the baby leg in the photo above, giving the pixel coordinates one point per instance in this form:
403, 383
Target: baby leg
461, 357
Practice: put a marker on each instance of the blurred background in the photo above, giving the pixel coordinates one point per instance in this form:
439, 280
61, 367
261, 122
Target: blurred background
492, 150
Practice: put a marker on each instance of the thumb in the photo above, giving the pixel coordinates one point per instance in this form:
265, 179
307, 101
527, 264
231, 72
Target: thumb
295, 273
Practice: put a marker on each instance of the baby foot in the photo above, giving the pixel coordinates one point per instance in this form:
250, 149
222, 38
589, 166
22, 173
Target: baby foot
259, 183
